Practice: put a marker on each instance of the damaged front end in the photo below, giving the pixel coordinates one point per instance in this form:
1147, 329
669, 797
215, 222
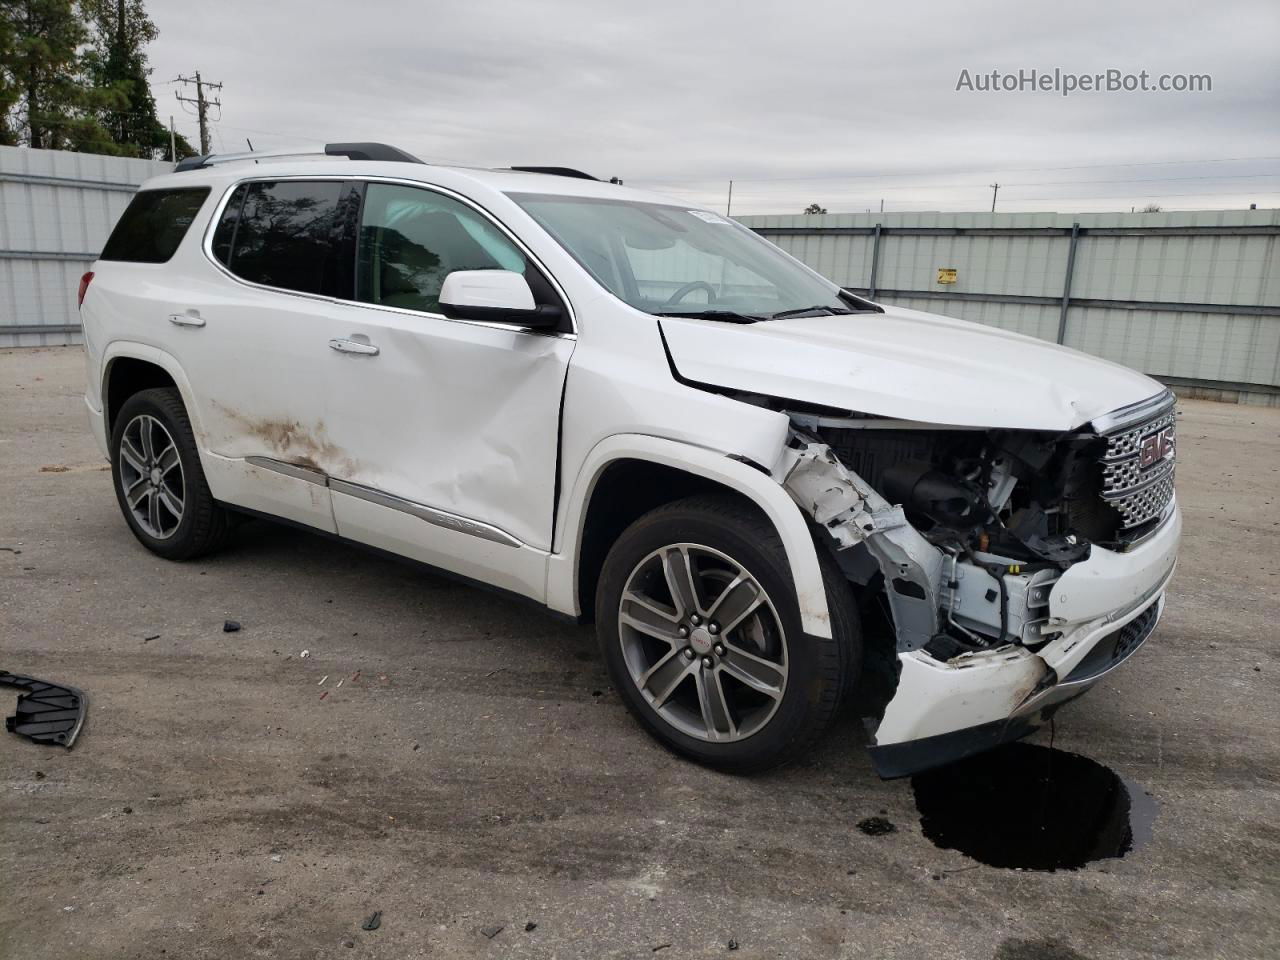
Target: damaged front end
1014, 567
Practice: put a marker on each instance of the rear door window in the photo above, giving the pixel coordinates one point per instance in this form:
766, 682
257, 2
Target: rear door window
287, 234
154, 224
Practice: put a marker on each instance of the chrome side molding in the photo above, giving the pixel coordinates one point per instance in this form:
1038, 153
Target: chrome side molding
438, 518
295, 470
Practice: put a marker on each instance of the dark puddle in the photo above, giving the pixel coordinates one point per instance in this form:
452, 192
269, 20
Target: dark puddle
1033, 808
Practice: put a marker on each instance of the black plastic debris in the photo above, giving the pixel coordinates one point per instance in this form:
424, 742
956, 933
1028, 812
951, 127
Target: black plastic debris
230, 626
47, 712
374, 921
876, 826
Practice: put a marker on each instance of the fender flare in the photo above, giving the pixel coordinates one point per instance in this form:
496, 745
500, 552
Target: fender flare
759, 487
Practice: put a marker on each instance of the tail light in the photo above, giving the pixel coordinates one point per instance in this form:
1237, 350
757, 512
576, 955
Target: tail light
84, 288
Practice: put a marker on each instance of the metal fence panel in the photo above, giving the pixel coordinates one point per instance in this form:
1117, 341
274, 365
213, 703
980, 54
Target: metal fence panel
56, 209
1182, 295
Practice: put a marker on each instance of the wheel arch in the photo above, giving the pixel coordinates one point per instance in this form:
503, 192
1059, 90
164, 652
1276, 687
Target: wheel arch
625, 476
129, 367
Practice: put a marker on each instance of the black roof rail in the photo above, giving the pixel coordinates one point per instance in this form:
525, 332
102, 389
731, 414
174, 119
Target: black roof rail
380, 152
557, 172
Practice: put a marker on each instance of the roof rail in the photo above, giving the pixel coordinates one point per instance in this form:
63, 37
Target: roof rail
557, 172
354, 151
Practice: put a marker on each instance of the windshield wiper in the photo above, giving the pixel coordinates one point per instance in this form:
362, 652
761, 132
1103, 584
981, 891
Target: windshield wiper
802, 311
728, 316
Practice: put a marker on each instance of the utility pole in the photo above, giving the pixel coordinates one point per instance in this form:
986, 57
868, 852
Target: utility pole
202, 105
173, 142
995, 188
728, 207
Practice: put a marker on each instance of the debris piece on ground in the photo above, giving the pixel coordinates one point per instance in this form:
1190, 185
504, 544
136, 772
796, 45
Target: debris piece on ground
355, 676
661, 946
47, 712
338, 684
277, 858
304, 654
39, 774
154, 636
230, 626
128, 809
322, 680
54, 468
876, 826
348, 943
491, 931
733, 944
374, 921
323, 695
530, 926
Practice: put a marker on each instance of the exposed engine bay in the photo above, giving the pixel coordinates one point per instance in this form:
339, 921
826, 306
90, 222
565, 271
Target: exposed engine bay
967, 529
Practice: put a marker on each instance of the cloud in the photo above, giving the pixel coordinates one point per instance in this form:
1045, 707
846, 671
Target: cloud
686, 95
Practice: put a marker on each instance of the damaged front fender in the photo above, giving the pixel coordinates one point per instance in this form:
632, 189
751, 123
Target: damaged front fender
852, 513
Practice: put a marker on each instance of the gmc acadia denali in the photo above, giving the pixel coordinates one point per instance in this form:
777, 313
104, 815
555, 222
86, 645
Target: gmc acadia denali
770, 495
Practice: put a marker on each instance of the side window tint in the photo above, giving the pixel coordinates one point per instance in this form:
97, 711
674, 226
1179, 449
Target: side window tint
153, 225
225, 233
285, 236
411, 239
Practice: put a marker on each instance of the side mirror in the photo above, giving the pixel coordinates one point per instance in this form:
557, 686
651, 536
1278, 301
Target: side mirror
494, 296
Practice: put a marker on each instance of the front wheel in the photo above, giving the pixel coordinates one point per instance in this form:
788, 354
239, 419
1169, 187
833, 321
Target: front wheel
699, 626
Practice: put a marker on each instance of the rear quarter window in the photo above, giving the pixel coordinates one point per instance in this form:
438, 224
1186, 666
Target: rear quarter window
154, 224
283, 234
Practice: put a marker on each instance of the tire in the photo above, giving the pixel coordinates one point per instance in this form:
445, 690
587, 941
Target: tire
796, 680
201, 525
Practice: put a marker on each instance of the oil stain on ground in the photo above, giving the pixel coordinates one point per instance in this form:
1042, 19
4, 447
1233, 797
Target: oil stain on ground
1033, 808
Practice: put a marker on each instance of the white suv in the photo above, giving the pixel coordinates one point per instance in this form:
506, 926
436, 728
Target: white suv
769, 494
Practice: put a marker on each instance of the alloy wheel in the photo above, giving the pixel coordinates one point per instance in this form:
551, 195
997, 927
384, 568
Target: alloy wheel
151, 476
703, 642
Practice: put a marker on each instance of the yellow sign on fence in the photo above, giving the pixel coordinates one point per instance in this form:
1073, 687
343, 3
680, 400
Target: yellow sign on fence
946, 274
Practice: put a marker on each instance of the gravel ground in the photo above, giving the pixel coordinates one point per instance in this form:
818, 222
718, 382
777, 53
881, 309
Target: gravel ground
474, 770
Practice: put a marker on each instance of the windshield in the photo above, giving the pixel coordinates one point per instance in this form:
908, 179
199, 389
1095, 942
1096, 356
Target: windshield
668, 260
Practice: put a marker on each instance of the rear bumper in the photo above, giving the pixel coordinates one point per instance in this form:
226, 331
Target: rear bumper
1104, 608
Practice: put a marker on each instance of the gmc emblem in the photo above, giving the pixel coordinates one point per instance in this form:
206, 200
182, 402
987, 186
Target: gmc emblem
1157, 447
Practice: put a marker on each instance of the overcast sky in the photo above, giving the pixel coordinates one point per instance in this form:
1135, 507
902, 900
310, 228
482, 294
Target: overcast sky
840, 103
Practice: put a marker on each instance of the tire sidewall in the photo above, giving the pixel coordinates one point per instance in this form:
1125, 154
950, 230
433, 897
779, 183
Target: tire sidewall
805, 677
178, 545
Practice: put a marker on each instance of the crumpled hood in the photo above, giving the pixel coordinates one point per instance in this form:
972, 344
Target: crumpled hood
908, 365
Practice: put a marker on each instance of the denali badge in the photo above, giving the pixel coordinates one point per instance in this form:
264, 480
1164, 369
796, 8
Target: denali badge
1157, 447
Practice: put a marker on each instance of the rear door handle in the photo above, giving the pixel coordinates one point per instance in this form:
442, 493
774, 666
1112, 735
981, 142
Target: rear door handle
343, 345
186, 319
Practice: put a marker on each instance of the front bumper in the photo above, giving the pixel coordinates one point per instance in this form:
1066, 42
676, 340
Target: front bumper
1104, 609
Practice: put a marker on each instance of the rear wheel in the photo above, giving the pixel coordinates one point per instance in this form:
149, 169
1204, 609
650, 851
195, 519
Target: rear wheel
159, 482
699, 625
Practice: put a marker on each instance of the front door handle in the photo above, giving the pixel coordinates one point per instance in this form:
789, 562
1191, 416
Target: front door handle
343, 345
186, 319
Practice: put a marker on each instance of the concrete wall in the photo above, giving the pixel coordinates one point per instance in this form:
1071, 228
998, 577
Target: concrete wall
56, 210
1188, 297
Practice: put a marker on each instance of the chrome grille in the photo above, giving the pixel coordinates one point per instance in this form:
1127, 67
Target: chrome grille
1138, 468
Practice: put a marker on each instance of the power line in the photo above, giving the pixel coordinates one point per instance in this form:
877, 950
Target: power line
877, 176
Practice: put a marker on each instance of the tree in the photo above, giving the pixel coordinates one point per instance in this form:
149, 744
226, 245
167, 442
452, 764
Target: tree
1150, 208
117, 64
46, 101
814, 208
